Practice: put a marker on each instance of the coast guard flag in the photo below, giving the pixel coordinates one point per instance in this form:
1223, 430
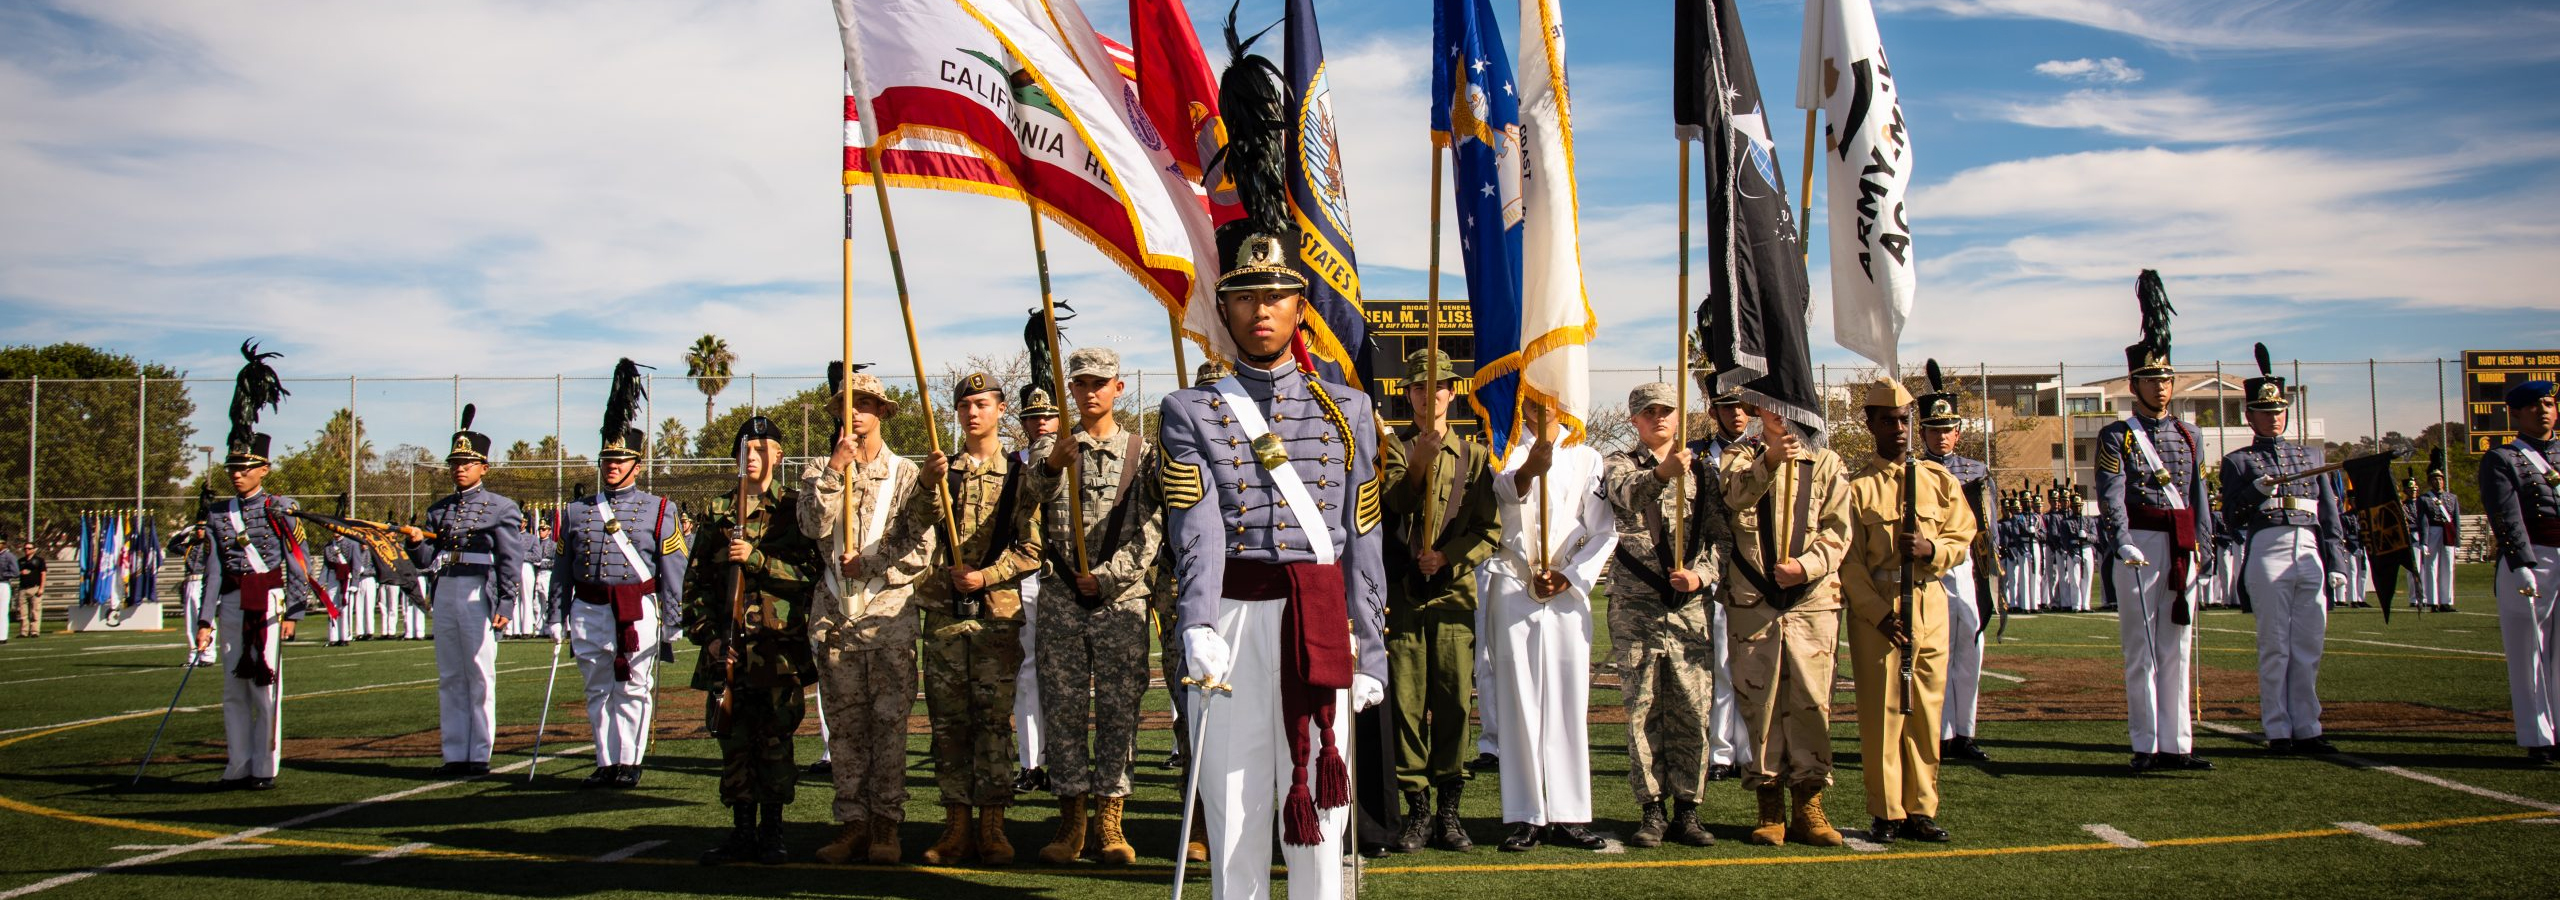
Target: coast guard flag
973, 96
1755, 315
1556, 324
1338, 336
1475, 112
1866, 155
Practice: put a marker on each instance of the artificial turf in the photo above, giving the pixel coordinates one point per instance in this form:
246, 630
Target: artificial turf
2259, 826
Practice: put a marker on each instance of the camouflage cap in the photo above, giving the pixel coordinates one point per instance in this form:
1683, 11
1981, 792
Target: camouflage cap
1423, 365
861, 385
1651, 394
1210, 372
1097, 362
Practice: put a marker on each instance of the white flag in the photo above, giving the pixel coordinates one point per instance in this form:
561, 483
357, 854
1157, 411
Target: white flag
1556, 324
1866, 153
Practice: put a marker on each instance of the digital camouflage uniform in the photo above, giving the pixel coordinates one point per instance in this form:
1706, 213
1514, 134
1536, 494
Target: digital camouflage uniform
863, 636
771, 642
973, 656
1092, 651
1667, 644
1431, 638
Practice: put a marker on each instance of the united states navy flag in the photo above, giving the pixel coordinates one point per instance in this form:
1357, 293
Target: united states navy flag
1338, 336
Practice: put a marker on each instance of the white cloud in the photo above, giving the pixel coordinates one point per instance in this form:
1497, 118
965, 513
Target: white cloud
2172, 116
2111, 70
2518, 31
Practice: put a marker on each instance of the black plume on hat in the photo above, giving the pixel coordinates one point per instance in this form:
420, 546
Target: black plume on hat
1042, 351
1937, 379
622, 409
256, 387
2266, 365
2435, 460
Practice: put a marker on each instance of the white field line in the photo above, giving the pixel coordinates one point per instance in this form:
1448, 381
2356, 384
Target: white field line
2112, 835
2399, 840
2421, 777
181, 665
390, 853
243, 836
2343, 640
194, 709
2004, 676
630, 851
1860, 844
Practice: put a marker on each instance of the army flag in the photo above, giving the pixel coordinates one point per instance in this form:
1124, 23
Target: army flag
1320, 201
2374, 500
1866, 158
1756, 313
973, 96
1475, 112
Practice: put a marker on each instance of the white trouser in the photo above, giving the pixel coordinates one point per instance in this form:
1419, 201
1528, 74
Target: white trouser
619, 710
412, 619
466, 668
2422, 574
2155, 649
359, 610
2088, 577
1542, 664
2532, 636
1724, 719
1488, 692
2285, 581
817, 703
1964, 653
1245, 770
252, 716
1026, 681
7, 596
2439, 571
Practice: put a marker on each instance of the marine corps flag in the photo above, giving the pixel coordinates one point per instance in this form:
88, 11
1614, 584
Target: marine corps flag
2372, 499
1338, 336
1866, 155
973, 96
1754, 316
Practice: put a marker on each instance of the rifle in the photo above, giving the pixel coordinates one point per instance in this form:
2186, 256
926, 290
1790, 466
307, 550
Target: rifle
733, 586
1902, 610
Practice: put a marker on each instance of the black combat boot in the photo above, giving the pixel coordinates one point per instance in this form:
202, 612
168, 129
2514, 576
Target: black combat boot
1417, 822
1650, 831
1447, 832
741, 845
769, 836
1685, 827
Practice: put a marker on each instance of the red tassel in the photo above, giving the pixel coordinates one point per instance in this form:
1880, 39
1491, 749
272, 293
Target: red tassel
1298, 817
1333, 781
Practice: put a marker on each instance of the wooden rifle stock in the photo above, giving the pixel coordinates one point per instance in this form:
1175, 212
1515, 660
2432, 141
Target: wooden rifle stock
1903, 607
733, 585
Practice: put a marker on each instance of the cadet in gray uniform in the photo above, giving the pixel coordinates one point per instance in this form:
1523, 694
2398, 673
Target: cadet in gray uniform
1273, 499
2295, 550
473, 549
2438, 522
1970, 584
257, 547
2520, 493
616, 585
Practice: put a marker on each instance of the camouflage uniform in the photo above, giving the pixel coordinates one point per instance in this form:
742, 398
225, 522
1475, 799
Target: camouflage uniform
1783, 659
972, 656
1667, 644
771, 643
865, 644
1092, 653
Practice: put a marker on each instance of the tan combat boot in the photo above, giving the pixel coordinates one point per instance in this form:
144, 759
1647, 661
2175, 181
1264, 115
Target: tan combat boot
959, 840
1772, 830
884, 841
1069, 842
994, 848
852, 839
1811, 828
1197, 850
1115, 846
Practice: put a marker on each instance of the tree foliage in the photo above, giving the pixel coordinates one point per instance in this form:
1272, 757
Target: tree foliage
85, 433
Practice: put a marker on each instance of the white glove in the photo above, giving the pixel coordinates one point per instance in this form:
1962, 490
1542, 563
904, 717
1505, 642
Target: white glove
2337, 581
555, 631
1366, 692
1204, 655
2131, 555
2266, 485
2526, 583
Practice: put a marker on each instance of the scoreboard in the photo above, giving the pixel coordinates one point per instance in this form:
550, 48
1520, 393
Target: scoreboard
2486, 375
1398, 328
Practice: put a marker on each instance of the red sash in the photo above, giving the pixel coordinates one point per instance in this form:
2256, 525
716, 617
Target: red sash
625, 600
255, 590
1315, 661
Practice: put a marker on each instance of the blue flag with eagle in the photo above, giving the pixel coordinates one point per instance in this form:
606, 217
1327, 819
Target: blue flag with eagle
1475, 112
1338, 336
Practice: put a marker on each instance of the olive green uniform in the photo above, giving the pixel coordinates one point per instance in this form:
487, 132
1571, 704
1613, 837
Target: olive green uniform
1431, 635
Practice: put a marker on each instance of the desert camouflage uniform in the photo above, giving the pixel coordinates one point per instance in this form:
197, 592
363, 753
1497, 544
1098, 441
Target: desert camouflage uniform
771, 642
866, 656
1093, 658
1667, 668
972, 657
1783, 660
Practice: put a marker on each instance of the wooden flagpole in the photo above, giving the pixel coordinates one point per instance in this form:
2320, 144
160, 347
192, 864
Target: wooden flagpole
1058, 372
1680, 384
915, 354
1431, 311
1804, 217
844, 396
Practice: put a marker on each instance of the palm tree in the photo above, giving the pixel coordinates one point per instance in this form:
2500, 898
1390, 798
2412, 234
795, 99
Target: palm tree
707, 363
671, 435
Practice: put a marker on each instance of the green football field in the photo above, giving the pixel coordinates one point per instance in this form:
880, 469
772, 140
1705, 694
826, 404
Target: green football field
2432, 797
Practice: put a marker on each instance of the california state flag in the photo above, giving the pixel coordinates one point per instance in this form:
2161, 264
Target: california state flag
973, 96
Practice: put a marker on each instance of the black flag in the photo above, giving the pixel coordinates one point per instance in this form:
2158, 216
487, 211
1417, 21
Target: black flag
2375, 503
1755, 315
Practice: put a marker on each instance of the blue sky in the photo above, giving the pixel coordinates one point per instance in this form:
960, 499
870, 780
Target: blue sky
484, 187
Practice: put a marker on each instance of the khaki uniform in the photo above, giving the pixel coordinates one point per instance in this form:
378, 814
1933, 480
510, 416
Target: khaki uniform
864, 635
771, 641
1666, 648
1783, 660
1431, 637
1899, 751
973, 656
1092, 651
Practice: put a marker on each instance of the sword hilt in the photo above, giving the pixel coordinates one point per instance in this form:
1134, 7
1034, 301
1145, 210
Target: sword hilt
1207, 685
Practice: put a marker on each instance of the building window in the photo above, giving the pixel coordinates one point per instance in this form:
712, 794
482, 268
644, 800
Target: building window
2057, 451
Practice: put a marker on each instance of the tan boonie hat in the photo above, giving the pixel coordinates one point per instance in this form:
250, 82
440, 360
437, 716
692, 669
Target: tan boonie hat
861, 385
1653, 394
1885, 392
1097, 362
